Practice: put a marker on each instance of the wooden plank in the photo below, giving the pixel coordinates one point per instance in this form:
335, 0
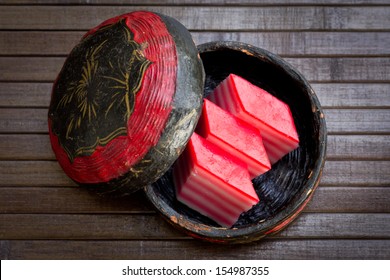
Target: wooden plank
282, 43
339, 121
198, 2
23, 120
118, 226
212, 17
30, 68
345, 225
360, 121
340, 147
356, 173
25, 94
30, 200
367, 69
125, 226
343, 69
25, 147
358, 147
348, 217
68, 200
45, 42
352, 95
307, 43
193, 249
337, 95
348, 199
33, 173
50, 174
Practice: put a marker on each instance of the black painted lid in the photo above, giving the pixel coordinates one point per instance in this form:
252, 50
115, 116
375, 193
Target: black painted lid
126, 102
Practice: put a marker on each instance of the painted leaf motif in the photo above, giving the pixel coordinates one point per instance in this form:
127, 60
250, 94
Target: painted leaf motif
94, 95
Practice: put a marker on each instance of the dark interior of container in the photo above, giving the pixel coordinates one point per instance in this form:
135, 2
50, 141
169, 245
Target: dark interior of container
283, 184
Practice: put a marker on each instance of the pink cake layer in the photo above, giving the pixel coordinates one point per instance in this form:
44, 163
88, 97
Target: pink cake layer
234, 136
260, 109
212, 182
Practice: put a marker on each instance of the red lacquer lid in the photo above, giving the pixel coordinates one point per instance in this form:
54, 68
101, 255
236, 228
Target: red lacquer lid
126, 102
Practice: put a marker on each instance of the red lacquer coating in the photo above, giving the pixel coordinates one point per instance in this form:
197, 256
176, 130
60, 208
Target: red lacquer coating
151, 111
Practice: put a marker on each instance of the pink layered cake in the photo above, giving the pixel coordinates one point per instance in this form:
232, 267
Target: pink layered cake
212, 182
234, 136
262, 110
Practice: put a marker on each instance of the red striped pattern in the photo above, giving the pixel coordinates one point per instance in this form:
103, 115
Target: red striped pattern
210, 193
276, 143
234, 136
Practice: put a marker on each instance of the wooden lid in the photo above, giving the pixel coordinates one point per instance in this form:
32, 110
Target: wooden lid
126, 102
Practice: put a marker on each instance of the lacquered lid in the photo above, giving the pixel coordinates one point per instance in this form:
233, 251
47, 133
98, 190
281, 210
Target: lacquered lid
126, 102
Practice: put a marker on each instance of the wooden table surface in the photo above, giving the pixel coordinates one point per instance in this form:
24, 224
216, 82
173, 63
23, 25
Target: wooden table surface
343, 49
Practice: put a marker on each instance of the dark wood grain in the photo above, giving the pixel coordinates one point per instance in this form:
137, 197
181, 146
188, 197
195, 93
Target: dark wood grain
340, 147
25, 147
49, 173
199, 2
358, 95
87, 226
314, 69
23, 120
124, 226
45, 43
351, 199
343, 69
282, 43
29, 95
342, 48
338, 225
213, 18
43, 200
356, 173
339, 121
332, 95
352, 147
33, 173
191, 249
357, 121
68, 200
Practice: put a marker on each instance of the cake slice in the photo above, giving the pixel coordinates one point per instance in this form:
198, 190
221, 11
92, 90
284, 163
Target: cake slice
234, 136
260, 109
212, 182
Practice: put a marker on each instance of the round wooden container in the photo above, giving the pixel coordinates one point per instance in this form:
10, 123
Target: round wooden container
128, 99
285, 190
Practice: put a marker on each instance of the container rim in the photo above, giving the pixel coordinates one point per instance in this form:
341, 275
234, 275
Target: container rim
290, 212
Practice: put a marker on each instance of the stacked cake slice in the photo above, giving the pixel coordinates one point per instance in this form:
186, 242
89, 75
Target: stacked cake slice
261, 110
243, 129
213, 182
234, 136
